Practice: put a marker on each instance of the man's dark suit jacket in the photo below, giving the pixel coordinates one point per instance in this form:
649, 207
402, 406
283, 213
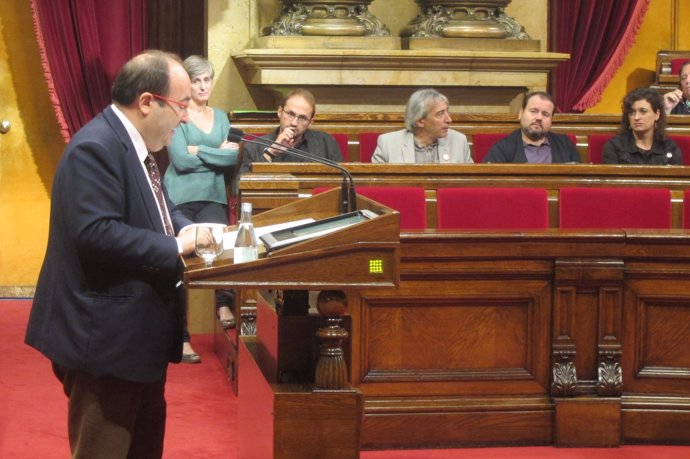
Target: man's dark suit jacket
510, 149
105, 300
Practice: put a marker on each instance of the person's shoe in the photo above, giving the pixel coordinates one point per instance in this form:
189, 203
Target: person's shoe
228, 323
188, 354
191, 358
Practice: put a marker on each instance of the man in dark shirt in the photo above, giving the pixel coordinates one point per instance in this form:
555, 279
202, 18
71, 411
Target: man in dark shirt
677, 102
296, 114
533, 142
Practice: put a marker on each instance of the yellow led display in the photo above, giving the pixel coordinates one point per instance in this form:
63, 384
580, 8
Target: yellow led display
375, 266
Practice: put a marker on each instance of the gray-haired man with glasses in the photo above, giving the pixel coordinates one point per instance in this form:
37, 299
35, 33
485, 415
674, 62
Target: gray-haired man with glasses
296, 114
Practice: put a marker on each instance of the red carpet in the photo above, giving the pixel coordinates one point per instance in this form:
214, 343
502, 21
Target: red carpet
201, 411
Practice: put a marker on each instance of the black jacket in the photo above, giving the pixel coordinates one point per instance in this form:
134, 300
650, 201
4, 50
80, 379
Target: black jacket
510, 149
622, 150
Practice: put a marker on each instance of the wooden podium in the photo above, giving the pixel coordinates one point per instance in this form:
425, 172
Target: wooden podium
280, 417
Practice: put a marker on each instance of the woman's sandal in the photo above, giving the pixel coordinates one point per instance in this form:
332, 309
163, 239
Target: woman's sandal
228, 323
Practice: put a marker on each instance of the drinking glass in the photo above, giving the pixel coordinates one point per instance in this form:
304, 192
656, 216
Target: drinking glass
208, 243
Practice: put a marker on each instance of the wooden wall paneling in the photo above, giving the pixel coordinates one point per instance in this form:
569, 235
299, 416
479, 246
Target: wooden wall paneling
656, 371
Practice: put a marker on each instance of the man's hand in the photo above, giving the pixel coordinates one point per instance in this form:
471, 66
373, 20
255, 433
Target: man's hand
286, 138
186, 239
671, 99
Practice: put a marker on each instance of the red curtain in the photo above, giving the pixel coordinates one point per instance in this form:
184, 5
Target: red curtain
83, 43
597, 35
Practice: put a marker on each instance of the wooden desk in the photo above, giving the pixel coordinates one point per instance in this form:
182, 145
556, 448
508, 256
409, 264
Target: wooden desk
564, 338
549, 337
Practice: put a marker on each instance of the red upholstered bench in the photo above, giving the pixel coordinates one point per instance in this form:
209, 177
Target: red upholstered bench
342, 143
410, 202
595, 147
492, 208
640, 208
367, 145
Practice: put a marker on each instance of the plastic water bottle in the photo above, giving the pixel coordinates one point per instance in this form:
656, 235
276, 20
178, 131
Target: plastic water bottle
246, 245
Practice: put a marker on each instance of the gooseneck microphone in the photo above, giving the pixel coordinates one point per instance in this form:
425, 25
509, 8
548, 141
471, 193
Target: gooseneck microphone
348, 196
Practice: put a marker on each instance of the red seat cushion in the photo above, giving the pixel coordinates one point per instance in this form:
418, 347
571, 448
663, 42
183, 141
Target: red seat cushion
595, 147
342, 143
410, 202
367, 145
492, 208
677, 64
642, 208
482, 143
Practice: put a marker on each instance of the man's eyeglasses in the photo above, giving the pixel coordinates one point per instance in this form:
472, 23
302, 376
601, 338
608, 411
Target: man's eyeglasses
300, 118
183, 106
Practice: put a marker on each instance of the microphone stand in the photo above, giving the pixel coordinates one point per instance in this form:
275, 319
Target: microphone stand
348, 196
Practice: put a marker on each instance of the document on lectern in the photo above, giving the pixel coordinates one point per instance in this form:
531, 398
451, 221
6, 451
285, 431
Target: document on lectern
230, 236
292, 234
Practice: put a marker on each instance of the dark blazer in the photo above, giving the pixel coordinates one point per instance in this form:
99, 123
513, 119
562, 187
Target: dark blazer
105, 300
510, 149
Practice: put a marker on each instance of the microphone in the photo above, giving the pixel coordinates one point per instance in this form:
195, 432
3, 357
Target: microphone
348, 196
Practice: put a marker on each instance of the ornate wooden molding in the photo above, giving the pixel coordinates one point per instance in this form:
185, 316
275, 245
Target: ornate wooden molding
609, 374
346, 68
328, 18
465, 19
564, 374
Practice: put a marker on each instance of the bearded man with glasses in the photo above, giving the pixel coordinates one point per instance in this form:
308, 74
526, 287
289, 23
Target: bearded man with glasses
296, 114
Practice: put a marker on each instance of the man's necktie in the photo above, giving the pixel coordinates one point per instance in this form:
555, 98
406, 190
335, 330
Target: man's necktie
155, 176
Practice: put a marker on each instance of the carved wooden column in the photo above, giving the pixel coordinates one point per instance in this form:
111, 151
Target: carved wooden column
563, 369
464, 19
328, 18
586, 351
590, 288
331, 370
609, 347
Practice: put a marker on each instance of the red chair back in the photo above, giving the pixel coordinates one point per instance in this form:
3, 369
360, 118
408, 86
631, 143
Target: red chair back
492, 208
683, 142
342, 143
410, 202
367, 145
482, 143
642, 208
595, 147
676, 65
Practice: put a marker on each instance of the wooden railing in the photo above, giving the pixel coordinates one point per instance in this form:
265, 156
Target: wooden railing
272, 185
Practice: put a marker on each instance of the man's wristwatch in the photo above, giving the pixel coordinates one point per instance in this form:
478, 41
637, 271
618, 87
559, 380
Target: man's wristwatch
267, 154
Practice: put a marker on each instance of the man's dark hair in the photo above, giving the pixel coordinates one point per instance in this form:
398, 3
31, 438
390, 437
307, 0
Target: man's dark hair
541, 94
146, 72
